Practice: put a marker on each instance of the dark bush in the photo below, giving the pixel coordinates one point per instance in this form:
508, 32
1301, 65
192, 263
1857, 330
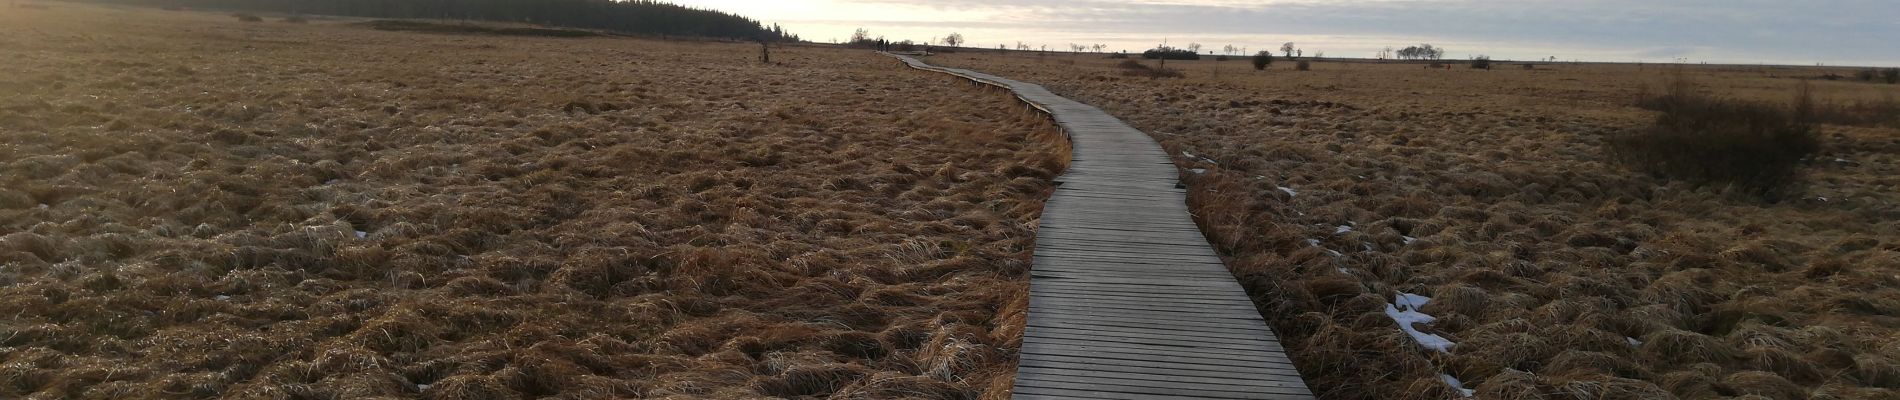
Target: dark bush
1891, 75
1262, 59
1169, 53
248, 17
1136, 68
1303, 66
1866, 74
1118, 55
1754, 146
1530, 66
1481, 62
1220, 58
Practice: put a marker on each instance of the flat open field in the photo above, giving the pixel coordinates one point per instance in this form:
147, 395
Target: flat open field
192, 206
1344, 196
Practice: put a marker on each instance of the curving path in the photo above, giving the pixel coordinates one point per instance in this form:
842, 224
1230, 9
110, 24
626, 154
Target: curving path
1126, 299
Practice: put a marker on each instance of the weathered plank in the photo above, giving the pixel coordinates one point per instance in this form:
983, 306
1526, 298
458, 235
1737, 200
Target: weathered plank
1126, 299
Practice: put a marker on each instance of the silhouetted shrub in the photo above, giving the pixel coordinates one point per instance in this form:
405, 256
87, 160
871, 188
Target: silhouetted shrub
1530, 66
1220, 58
1118, 55
1481, 62
1891, 75
1170, 53
248, 17
1262, 59
1303, 65
1866, 74
1754, 146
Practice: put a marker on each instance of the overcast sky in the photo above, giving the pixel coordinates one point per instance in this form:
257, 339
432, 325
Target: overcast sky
1802, 32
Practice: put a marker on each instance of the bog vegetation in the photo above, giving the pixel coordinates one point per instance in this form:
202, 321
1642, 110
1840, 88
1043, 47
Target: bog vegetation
1756, 146
248, 211
1552, 270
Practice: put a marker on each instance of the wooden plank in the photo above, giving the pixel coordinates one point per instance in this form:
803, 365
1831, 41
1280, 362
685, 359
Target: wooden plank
1127, 300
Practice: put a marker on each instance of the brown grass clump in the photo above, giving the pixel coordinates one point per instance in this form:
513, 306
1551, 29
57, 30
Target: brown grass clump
236, 211
1559, 273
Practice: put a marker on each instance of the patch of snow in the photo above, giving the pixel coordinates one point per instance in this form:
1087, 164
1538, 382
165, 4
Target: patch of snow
1842, 160
1289, 191
43, 206
1821, 198
221, 298
424, 386
1633, 341
1455, 384
1314, 242
1404, 311
1408, 239
1343, 270
1342, 229
1198, 170
361, 234
1335, 253
331, 182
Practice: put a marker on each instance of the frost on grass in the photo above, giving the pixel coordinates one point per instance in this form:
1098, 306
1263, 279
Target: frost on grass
1455, 384
1404, 311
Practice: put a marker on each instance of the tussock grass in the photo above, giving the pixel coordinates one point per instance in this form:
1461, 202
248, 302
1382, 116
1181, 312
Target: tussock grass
523, 218
1559, 273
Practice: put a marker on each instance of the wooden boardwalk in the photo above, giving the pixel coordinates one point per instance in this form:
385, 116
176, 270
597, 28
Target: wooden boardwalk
1126, 299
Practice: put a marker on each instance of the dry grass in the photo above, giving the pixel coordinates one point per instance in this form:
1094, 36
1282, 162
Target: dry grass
192, 206
1560, 274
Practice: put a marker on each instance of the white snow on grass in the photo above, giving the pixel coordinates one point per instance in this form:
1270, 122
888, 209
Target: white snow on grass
1198, 171
1342, 229
361, 234
1408, 239
221, 298
1455, 384
1633, 341
1404, 311
1289, 191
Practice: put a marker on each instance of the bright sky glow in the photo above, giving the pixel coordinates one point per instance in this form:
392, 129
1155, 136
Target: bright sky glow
1833, 32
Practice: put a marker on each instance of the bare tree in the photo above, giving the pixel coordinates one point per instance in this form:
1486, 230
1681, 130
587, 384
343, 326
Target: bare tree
954, 40
1194, 48
860, 36
1287, 49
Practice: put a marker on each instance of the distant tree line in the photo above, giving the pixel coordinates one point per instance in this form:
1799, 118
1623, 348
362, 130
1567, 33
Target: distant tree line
646, 17
1170, 53
1421, 52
